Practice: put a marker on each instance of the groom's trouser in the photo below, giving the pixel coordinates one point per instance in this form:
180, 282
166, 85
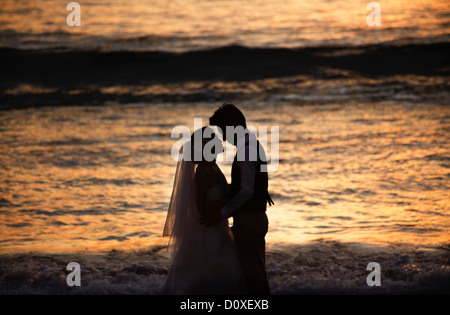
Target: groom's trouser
249, 230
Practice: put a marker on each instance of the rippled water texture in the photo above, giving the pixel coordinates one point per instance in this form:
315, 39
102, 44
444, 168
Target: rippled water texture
180, 25
97, 178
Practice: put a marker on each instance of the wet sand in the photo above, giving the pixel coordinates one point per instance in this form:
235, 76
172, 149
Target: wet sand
319, 267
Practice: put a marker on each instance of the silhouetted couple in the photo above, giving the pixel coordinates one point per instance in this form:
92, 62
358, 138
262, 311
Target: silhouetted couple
207, 256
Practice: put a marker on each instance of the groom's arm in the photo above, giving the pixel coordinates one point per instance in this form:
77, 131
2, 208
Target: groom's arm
247, 183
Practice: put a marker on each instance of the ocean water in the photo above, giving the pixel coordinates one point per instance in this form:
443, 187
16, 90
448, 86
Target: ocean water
185, 25
86, 115
355, 184
99, 178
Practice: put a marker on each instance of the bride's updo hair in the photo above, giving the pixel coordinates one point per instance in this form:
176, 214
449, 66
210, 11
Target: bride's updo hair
201, 148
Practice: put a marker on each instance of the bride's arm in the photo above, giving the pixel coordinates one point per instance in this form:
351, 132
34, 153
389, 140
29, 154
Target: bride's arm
204, 180
201, 187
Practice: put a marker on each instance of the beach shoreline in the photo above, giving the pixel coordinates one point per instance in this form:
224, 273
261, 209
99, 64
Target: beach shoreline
318, 267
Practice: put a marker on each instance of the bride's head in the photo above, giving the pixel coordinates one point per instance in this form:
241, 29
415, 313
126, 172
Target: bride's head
205, 145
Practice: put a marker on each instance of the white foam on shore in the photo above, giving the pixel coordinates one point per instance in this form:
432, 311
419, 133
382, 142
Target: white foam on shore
319, 267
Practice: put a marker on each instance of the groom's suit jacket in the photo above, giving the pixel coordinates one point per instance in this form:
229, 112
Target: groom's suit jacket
258, 202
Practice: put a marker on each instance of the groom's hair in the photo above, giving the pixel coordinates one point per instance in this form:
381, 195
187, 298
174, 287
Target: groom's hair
226, 113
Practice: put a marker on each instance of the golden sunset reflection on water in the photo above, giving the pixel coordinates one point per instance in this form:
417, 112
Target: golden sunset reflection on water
100, 178
364, 156
197, 24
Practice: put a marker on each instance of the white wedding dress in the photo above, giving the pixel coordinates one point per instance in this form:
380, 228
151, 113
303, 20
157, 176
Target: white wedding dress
204, 259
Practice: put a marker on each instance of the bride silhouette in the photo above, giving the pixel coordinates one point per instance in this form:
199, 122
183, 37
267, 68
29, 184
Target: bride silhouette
204, 259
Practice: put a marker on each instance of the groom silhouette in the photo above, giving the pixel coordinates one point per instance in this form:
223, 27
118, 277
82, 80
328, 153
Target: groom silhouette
248, 199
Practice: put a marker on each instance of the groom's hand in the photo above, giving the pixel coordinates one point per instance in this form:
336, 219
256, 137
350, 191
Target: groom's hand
211, 218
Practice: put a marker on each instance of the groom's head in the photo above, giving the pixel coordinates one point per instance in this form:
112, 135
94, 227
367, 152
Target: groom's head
228, 115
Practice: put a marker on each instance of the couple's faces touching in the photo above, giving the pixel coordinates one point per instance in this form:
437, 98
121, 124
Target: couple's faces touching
230, 138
